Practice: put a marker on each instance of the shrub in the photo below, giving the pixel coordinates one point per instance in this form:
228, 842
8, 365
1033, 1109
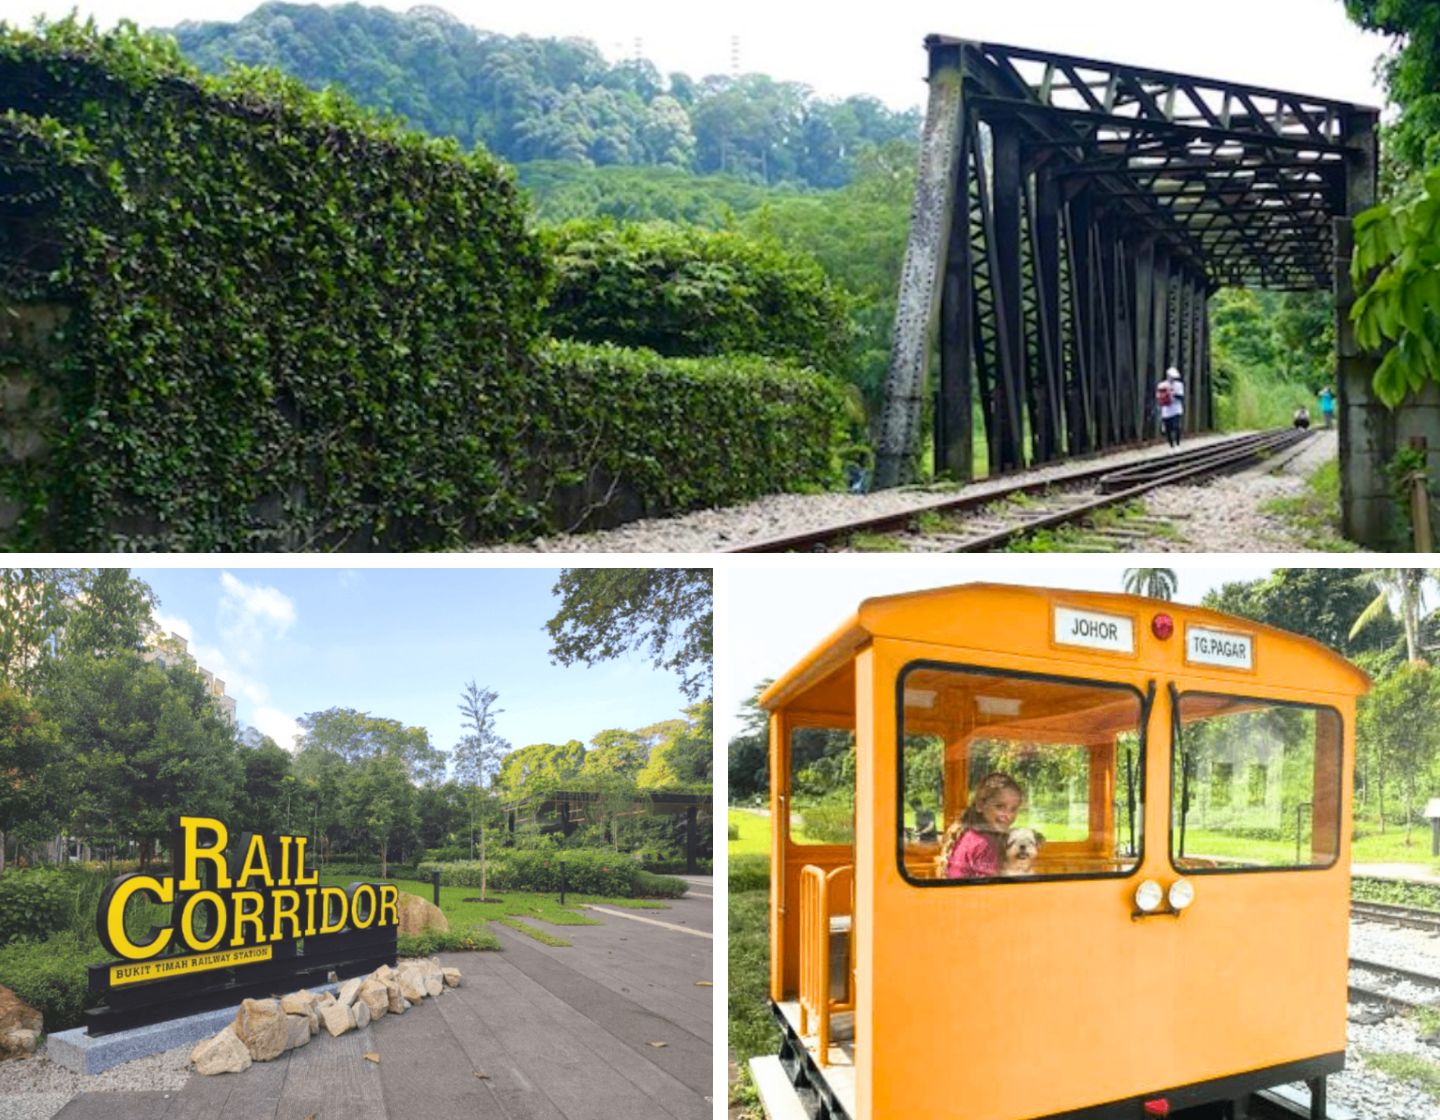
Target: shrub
649, 885
621, 434
749, 873
734, 832
686, 292
447, 854
433, 941
33, 904
586, 872
50, 975
829, 823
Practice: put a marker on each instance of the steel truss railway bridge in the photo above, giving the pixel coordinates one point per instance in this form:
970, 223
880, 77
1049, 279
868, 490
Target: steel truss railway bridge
1072, 219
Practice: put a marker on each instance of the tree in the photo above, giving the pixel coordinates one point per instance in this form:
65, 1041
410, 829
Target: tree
622, 753
750, 750
357, 736
32, 769
666, 612
540, 764
379, 802
34, 604
112, 613
267, 789
684, 754
1412, 72
477, 758
1399, 591
1321, 603
1397, 725
1156, 583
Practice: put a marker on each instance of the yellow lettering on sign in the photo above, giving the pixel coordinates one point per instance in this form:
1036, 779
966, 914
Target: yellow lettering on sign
195, 851
326, 894
363, 893
300, 880
173, 966
389, 904
285, 842
287, 907
247, 916
188, 932
163, 890
256, 865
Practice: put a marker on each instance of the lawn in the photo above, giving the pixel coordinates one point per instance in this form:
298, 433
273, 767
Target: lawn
469, 916
754, 833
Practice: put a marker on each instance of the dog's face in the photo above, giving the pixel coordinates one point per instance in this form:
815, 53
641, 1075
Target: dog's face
1021, 846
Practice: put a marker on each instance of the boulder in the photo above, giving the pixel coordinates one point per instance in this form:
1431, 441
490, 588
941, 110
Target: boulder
337, 1019
383, 973
417, 915
412, 984
375, 996
348, 991
260, 1025
434, 985
224, 1053
298, 1003
297, 1031
452, 977
397, 1003
361, 1013
20, 1025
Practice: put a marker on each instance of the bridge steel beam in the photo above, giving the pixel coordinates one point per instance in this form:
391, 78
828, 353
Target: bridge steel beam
1072, 219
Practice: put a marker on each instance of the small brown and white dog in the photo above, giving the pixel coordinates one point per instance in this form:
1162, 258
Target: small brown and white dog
1021, 847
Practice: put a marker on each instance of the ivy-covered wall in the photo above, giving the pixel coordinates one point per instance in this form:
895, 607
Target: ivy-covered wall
278, 322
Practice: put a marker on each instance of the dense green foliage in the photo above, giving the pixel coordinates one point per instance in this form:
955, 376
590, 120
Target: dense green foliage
562, 192
1396, 267
1271, 353
554, 99
280, 337
686, 292
586, 872
50, 976
749, 873
31, 904
1424, 895
636, 435
1411, 72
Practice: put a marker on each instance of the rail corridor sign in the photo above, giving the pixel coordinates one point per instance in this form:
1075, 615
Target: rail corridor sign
245, 919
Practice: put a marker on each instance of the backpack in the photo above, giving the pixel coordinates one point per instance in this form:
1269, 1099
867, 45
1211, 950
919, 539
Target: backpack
1163, 396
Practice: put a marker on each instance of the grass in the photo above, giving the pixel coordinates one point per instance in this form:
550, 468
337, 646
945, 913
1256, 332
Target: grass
754, 830
876, 542
752, 1031
1420, 1072
467, 915
1314, 515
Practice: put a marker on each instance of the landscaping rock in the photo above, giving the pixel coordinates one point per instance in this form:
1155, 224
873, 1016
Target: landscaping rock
434, 985
348, 991
260, 1025
452, 977
374, 995
397, 1003
412, 984
298, 1031
337, 1019
417, 915
361, 1014
20, 1025
224, 1053
298, 1003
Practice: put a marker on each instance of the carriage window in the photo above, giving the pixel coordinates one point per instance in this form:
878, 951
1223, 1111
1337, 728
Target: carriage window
1286, 757
822, 786
1070, 797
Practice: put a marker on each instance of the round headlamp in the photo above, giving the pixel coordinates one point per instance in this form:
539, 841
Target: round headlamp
1181, 895
1148, 896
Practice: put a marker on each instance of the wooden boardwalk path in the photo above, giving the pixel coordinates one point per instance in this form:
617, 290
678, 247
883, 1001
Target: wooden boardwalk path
535, 1033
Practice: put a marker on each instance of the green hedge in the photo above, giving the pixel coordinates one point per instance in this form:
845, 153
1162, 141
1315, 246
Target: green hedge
749, 873
586, 872
291, 324
688, 292
622, 434
32, 904
50, 975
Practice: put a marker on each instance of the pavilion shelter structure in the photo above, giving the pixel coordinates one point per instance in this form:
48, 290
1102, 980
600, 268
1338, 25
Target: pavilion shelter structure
1073, 217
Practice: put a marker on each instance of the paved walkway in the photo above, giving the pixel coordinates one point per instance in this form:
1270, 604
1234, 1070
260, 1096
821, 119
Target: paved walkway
616, 1025
1414, 872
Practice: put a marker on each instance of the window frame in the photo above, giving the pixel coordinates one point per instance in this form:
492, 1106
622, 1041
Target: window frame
1146, 701
1177, 729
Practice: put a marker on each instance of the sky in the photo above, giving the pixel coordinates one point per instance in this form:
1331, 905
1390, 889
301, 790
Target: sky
400, 643
1301, 46
770, 614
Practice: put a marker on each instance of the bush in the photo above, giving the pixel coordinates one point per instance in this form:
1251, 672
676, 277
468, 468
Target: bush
433, 941
586, 872
649, 885
749, 873
33, 904
829, 823
734, 832
447, 854
686, 292
50, 975
621, 434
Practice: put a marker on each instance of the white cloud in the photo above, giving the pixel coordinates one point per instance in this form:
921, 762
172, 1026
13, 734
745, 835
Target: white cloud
174, 624
249, 615
276, 724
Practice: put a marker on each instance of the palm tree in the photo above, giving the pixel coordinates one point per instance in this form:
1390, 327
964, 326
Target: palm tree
1157, 583
1397, 590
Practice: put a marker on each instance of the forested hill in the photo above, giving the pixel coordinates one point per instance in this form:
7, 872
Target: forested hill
555, 99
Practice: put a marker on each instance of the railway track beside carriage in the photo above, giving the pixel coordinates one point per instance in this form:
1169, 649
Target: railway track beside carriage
990, 521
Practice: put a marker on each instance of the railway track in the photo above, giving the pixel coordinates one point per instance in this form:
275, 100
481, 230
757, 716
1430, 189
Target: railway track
984, 522
1409, 916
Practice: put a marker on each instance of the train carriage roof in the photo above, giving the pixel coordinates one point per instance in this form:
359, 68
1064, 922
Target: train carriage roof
940, 616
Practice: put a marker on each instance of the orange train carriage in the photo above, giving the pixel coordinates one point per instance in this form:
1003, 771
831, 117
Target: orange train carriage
1180, 941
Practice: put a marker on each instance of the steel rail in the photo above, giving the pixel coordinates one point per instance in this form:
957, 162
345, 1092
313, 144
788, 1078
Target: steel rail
1136, 479
1410, 916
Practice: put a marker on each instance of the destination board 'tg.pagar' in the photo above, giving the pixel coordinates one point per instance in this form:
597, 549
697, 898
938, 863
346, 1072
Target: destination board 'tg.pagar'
245, 919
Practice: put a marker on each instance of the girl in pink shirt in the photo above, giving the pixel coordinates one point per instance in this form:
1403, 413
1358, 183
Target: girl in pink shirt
972, 844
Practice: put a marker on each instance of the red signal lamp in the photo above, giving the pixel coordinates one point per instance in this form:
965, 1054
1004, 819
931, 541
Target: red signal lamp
1159, 1106
1162, 626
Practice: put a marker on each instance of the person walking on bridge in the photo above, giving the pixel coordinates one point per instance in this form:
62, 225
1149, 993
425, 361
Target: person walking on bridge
1170, 401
